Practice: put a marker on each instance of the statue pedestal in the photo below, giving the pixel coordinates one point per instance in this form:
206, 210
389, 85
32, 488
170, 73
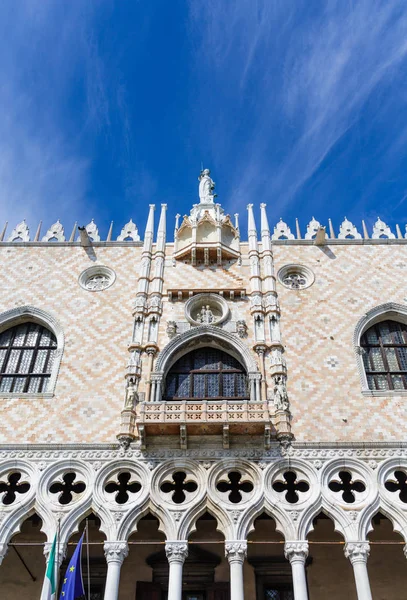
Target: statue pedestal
127, 427
283, 425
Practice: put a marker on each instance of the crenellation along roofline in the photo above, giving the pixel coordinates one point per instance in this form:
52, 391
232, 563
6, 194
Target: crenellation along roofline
295, 242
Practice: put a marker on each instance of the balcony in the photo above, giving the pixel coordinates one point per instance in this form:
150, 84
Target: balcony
184, 418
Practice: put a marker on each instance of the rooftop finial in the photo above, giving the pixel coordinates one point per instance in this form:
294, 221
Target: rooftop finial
206, 187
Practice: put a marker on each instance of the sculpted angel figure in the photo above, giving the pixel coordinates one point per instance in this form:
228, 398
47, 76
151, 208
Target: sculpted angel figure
206, 187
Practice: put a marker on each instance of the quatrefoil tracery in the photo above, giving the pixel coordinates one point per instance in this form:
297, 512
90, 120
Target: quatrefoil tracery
179, 486
234, 486
291, 486
347, 486
123, 487
13, 487
398, 483
67, 488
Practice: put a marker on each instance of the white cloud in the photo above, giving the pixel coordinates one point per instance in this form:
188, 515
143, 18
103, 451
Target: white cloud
301, 70
45, 49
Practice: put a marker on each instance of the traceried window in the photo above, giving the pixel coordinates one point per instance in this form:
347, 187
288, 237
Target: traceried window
206, 374
384, 351
27, 353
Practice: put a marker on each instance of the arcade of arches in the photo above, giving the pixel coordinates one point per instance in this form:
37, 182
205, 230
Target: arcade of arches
148, 561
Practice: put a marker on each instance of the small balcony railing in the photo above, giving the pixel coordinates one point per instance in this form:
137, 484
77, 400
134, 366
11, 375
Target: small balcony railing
235, 417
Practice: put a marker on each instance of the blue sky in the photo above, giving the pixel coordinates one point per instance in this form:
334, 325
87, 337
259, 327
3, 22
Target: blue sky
108, 106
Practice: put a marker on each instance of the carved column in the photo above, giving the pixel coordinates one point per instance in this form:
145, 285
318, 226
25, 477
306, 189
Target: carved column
115, 553
151, 352
3, 551
296, 553
261, 350
60, 552
176, 554
358, 553
236, 552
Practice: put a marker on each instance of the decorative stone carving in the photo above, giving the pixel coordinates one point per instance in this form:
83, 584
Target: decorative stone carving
280, 396
206, 187
92, 231
171, 329
60, 552
115, 551
241, 328
348, 231
296, 551
236, 551
282, 232
176, 551
206, 309
381, 230
295, 277
55, 233
357, 551
97, 278
131, 393
312, 229
256, 304
129, 231
20, 233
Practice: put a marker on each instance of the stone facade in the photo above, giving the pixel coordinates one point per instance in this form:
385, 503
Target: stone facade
304, 437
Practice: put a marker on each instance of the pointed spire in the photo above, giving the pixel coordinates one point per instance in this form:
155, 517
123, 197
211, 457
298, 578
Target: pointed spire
398, 231
72, 238
109, 235
365, 233
265, 229
236, 215
37, 235
149, 233
298, 230
331, 229
251, 225
3, 233
162, 227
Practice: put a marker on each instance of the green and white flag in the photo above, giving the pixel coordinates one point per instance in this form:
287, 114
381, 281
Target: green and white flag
48, 588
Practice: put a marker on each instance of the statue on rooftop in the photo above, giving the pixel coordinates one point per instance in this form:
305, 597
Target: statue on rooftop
206, 187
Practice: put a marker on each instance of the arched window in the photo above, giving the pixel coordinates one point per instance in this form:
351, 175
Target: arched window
384, 351
206, 374
27, 353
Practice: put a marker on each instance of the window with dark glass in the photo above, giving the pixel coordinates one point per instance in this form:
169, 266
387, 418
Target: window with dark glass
206, 374
384, 351
27, 353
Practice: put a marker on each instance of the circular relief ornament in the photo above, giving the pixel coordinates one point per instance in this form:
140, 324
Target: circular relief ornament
296, 277
97, 278
206, 309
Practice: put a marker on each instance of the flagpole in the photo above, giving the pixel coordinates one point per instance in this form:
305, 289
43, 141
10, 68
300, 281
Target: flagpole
56, 558
87, 555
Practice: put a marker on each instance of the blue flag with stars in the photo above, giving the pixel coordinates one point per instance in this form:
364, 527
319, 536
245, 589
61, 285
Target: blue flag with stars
72, 584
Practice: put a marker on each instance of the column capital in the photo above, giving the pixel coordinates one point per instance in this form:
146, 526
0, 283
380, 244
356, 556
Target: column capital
357, 551
236, 550
60, 552
3, 551
296, 551
176, 551
116, 552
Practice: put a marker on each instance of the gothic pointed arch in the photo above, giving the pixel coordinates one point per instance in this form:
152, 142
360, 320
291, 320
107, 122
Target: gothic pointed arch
204, 336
